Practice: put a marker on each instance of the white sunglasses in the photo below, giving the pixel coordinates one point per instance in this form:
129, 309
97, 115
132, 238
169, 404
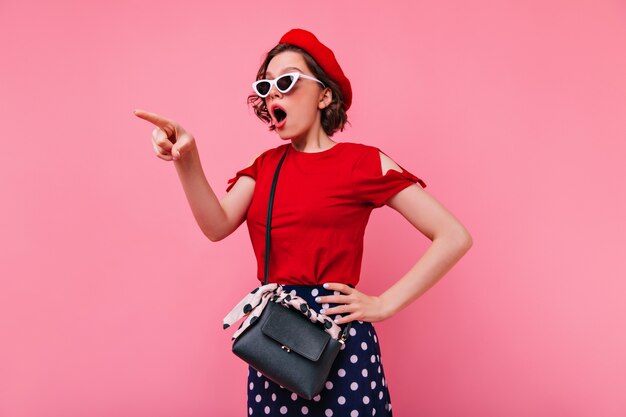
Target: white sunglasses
284, 83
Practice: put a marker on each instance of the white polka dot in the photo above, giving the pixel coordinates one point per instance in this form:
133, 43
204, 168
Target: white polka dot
369, 333
375, 339
250, 410
364, 373
352, 331
383, 381
305, 410
292, 292
341, 400
366, 400
341, 373
258, 374
258, 398
360, 322
364, 346
314, 292
373, 358
380, 395
267, 410
354, 358
373, 411
373, 384
294, 396
378, 358
251, 386
337, 317
317, 398
354, 413
378, 368
273, 397
343, 346
283, 410
354, 386
329, 385
267, 385
325, 305
328, 412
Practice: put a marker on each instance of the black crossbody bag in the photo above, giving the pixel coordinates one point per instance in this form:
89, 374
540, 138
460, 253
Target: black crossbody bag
282, 343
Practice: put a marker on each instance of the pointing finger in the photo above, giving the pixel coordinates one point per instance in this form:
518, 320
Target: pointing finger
152, 117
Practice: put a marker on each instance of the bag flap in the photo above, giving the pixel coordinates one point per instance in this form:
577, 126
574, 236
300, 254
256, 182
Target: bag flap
295, 331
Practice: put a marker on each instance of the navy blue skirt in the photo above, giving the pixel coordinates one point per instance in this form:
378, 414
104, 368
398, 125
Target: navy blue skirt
356, 386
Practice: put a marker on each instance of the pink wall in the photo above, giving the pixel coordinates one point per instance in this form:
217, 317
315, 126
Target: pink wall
512, 112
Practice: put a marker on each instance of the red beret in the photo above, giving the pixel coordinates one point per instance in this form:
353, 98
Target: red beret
324, 57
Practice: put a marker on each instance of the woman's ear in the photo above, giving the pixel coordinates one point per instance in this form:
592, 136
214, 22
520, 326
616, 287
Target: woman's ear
326, 97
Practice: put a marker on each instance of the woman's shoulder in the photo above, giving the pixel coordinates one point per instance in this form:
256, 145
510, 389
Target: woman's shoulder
362, 150
357, 145
373, 158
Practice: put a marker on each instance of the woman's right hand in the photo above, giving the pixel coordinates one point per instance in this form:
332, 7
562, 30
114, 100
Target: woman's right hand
169, 140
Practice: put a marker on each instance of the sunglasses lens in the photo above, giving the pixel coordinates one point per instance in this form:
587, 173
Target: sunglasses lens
263, 88
284, 83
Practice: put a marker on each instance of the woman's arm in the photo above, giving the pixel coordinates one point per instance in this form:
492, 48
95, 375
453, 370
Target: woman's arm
217, 219
450, 241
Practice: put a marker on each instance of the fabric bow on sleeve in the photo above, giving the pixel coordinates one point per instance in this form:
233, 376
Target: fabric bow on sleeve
253, 304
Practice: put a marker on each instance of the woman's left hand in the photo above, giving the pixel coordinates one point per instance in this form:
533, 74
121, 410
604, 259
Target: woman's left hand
361, 306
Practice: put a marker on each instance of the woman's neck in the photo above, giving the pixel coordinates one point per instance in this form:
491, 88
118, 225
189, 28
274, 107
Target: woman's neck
316, 140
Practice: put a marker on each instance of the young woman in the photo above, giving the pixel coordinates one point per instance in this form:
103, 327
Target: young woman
323, 201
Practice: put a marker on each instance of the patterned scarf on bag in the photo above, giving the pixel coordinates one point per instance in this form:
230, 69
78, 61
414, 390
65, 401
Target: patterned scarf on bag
253, 304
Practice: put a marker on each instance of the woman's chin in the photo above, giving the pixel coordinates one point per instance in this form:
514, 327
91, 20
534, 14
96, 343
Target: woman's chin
284, 134
290, 134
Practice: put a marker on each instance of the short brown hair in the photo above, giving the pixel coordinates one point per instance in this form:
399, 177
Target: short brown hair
334, 116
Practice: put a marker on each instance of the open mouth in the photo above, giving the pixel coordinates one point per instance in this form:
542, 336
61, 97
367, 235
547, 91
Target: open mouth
279, 115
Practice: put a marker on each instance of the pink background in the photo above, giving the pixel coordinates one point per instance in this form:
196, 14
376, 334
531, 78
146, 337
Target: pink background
512, 112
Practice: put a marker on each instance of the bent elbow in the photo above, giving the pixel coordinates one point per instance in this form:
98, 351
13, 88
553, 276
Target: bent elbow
465, 240
469, 242
214, 237
461, 238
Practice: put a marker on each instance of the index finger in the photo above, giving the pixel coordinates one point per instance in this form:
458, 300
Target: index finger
153, 118
346, 289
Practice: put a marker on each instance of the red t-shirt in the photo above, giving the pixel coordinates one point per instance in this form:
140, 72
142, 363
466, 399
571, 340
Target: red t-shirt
322, 204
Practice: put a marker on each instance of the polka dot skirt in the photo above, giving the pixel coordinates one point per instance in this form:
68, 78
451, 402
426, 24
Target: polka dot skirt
356, 385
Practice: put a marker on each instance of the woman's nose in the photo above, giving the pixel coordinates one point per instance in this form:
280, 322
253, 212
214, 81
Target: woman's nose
274, 92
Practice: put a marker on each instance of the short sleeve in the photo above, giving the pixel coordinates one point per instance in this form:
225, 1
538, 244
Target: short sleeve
251, 171
374, 188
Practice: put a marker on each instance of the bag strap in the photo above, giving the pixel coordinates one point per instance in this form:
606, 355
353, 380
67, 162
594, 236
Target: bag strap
268, 237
